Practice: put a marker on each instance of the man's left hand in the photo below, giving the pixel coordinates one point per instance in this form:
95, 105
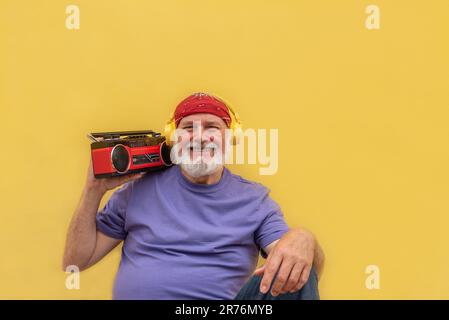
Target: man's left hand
292, 257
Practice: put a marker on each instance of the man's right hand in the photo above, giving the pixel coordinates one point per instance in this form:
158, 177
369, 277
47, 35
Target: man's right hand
104, 184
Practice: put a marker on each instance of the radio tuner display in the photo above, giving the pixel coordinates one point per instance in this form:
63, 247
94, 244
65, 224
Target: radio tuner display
145, 158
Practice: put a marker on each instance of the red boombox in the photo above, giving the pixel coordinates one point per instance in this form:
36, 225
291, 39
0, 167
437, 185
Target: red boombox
125, 152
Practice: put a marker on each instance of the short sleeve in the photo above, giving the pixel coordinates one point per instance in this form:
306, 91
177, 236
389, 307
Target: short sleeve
273, 225
111, 219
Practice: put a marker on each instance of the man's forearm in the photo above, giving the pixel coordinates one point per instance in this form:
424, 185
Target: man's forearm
81, 235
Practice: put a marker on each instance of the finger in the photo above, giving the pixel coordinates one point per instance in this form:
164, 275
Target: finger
259, 271
90, 170
294, 278
304, 278
271, 266
138, 175
130, 177
135, 176
281, 277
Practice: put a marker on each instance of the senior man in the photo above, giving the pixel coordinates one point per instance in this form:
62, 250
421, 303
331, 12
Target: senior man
194, 230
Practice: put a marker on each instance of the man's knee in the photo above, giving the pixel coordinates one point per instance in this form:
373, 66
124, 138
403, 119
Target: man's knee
310, 289
250, 291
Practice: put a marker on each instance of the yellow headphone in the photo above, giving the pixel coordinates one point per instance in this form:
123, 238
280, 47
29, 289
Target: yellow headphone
235, 125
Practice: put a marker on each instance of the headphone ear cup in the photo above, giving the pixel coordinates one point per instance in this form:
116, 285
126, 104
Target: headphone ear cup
169, 129
236, 130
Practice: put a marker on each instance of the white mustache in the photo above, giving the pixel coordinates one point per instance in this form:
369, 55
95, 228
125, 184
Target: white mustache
198, 147
208, 154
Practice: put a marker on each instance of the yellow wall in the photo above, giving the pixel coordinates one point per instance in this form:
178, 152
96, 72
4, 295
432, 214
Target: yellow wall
362, 117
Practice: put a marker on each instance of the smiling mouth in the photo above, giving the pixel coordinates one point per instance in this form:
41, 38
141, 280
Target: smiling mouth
201, 149
202, 152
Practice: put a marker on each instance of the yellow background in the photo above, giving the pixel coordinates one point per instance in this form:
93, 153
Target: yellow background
362, 118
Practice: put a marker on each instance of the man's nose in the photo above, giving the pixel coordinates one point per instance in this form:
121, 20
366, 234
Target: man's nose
201, 135
206, 138
198, 132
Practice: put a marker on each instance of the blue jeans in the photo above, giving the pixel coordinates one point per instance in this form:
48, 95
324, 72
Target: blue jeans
250, 291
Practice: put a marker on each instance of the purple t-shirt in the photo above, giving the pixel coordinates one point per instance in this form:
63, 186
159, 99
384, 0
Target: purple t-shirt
189, 241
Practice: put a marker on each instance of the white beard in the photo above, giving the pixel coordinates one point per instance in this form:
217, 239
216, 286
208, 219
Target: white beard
199, 167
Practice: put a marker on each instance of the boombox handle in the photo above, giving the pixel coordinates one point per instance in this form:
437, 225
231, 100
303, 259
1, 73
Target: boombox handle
118, 134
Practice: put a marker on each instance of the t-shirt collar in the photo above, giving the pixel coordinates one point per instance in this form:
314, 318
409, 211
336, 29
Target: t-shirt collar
205, 188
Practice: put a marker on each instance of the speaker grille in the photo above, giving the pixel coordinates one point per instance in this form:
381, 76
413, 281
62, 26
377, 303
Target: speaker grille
120, 158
